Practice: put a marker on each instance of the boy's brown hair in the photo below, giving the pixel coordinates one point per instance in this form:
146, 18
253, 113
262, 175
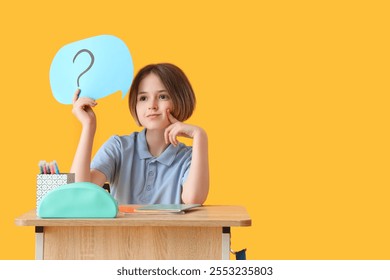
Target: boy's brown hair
175, 82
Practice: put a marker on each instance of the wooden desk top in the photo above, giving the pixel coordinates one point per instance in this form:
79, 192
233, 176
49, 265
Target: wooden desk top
205, 216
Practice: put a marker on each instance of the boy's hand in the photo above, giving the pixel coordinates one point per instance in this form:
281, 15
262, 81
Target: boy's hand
82, 109
178, 128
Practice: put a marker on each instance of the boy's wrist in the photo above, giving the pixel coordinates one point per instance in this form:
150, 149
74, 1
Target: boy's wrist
89, 127
200, 133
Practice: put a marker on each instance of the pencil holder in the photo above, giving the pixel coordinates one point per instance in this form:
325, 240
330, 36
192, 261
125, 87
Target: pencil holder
48, 182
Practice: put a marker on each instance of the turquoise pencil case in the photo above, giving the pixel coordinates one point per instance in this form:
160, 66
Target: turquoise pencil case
78, 200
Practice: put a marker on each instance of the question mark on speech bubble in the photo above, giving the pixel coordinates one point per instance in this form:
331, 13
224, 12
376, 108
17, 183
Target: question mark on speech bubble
112, 70
90, 64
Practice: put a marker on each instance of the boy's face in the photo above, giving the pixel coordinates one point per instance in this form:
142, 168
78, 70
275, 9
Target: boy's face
153, 101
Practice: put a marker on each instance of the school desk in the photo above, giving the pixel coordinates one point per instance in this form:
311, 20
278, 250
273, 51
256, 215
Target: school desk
202, 233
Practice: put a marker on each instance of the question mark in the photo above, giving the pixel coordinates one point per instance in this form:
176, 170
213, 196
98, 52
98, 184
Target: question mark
90, 65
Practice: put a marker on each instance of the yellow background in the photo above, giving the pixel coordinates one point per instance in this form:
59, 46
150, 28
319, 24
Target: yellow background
293, 94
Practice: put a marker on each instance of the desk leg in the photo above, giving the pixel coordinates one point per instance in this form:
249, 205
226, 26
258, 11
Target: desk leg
39, 236
226, 243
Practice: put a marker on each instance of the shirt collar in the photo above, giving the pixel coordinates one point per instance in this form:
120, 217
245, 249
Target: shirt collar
166, 158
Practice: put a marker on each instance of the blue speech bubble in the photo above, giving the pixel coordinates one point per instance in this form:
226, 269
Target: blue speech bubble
99, 66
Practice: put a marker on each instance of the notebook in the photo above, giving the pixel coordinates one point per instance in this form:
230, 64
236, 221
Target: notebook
166, 208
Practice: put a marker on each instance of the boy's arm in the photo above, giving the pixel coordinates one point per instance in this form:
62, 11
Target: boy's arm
82, 158
196, 187
82, 109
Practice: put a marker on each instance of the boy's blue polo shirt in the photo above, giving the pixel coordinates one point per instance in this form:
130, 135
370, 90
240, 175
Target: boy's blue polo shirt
136, 177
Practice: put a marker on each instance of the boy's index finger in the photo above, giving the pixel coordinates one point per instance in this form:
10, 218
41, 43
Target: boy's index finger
171, 118
76, 95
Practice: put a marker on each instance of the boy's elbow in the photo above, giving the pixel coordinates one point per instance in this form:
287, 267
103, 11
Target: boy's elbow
194, 199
